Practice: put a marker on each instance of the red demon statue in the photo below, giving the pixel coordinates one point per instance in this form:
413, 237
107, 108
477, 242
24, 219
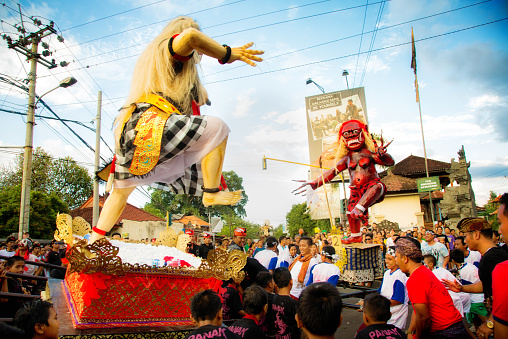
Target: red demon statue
359, 154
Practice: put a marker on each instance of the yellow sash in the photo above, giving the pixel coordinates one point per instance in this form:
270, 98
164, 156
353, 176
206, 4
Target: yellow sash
150, 128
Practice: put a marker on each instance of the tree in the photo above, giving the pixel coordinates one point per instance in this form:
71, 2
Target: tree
278, 231
490, 207
163, 201
43, 210
61, 176
230, 223
297, 218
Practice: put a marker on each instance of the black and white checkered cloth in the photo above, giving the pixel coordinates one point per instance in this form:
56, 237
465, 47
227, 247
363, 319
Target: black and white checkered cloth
180, 133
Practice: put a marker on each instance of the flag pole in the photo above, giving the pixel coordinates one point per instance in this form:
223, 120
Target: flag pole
413, 66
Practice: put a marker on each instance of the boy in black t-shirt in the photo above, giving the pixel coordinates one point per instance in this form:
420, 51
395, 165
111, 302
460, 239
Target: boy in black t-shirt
284, 307
265, 281
38, 319
232, 307
319, 311
255, 303
376, 313
206, 311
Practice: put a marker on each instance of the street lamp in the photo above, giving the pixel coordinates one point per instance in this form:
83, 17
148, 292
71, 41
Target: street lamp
67, 82
345, 74
24, 211
310, 81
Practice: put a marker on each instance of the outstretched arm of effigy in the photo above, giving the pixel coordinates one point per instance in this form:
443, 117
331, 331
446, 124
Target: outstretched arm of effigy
193, 39
331, 173
383, 158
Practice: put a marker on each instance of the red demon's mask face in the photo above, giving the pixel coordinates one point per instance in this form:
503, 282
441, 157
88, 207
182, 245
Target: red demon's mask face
352, 133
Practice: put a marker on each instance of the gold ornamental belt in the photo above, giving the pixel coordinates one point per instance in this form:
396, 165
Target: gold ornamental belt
150, 128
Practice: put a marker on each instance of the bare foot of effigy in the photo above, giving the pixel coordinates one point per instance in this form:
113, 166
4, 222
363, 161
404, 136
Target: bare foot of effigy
222, 198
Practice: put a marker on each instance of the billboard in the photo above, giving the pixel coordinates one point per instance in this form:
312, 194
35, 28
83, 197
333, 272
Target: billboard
325, 114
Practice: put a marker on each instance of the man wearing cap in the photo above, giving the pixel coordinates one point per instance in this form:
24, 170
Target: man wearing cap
436, 249
238, 243
192, 248
207, 246
268, 257
434, 315
479, 238
55, 258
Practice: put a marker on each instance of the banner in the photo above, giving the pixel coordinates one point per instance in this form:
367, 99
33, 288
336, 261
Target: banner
325, 114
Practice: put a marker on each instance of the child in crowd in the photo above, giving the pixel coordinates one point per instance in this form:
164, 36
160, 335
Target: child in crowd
231, 298
284, 307
38, 320
468, 273
376, 313
287, 257
319, 311
393, 287
255, 303
206, 312
265, 281
314, 250
325, 271
9, 307
9, 249
301, 266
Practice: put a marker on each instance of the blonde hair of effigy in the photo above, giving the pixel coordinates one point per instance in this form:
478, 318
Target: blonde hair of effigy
154, 72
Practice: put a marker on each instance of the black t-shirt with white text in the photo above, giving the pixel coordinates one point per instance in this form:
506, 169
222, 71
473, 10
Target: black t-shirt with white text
284, 311
211, 332
247, 329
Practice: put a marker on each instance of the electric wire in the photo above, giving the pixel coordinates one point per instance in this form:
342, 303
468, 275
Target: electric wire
361, 40
305, 48
373, 39
354, 54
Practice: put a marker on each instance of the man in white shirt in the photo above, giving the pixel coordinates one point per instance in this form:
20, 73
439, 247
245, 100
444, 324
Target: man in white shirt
436, 249
268, 256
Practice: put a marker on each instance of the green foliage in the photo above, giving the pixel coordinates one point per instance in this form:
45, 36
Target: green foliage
491, 207
43, 210
296, 218
278, 231
231, 222
62, 176
162, 201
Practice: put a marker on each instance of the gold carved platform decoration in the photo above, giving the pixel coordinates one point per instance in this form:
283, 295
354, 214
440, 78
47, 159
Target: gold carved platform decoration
340, 250
167, 238
102, 256
223, 265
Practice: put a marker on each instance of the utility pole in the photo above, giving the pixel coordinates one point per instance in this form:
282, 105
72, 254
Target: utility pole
32, 55
97, 159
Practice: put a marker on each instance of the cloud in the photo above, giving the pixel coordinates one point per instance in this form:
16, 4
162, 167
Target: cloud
245, 101
491, 111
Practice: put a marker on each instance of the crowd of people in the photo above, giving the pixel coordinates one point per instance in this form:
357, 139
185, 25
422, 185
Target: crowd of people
454, 287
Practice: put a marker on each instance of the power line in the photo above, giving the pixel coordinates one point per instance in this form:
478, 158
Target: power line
154, 23
113, 15
361, 40
379, 15
354, 54
305, 48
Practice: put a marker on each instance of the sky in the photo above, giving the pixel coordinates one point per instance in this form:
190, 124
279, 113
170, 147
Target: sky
462, 56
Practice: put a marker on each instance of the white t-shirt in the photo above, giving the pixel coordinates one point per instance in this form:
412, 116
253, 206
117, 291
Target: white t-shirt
267, 258
324, 272
5, 253
459, 299
438, 250
284, 259
295, 271
394, 287
468, 276
473, 258
389, 242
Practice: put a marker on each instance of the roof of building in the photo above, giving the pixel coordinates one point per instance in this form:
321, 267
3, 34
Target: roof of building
192, 219
435, 195
414, 165
130, 212
397, 183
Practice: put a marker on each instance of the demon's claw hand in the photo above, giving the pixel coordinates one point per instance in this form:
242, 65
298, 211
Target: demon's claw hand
303, 188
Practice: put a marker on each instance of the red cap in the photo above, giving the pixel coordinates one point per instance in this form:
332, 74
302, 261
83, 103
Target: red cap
189, 232
206, 235
240, 232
